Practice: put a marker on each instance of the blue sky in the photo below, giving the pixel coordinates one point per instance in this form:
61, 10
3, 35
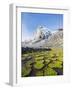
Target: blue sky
30, 22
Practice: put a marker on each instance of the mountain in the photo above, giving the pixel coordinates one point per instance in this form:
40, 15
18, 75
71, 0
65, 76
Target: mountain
44, 38
56, 40
42, 33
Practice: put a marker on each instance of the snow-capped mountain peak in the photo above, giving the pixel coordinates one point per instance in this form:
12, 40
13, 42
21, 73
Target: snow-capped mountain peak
42, 32
43, 37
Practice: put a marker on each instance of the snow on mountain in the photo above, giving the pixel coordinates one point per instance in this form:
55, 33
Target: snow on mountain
56, 40
41, 32
43, 37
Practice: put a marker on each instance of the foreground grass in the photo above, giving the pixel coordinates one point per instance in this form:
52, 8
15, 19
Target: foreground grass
43, 63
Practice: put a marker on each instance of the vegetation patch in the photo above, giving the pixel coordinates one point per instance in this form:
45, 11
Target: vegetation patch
42, 63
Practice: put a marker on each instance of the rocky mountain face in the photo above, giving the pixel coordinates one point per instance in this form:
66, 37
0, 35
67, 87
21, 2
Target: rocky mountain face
44, 38
55, 40
42, 33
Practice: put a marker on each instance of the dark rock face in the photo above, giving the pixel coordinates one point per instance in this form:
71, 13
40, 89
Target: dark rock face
61, 29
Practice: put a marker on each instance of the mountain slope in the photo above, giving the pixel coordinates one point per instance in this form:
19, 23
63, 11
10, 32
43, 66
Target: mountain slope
45, 39
56, 40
